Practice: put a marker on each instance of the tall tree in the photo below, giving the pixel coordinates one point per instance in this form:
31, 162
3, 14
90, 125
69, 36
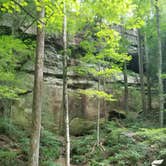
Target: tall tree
65, 94
147, 66
141, 72
98, 115
125, 87
125, 76
160, 83
37, 91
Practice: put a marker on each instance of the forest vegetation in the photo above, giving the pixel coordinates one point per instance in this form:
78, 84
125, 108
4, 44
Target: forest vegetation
82, 82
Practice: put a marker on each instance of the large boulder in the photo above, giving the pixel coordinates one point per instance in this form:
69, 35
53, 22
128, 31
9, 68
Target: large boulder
80, 126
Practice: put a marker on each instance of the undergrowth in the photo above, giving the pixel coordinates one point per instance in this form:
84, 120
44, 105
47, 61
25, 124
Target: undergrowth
122, 145
15, 150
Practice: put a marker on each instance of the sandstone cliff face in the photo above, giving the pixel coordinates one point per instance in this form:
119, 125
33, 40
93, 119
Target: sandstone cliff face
79, 106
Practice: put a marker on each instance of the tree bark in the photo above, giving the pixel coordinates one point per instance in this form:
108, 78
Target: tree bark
149, 96
125, 88
98, 116
37, 93
141, 72
126, 93
160, 83
65, 94
104, 101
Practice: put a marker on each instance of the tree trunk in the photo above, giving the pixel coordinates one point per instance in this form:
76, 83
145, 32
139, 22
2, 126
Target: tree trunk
65, 94
160, 83
37, 94
140, 56
104, 101
149, 96
98, 116
125, 88
126, 93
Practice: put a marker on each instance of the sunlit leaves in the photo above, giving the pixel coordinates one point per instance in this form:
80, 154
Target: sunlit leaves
108, 36
106, 72
134, 23
54, 15
10, 6
110, 10
139, 14
12, 52
163, 76
6, 76
8, 92
97, 94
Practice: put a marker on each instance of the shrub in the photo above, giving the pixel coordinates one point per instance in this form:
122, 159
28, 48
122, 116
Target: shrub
9, 129
49, 163
49, 147
81, 148
8, 157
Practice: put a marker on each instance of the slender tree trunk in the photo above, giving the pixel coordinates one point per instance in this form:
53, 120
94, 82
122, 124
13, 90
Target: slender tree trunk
160, 83
104, 101
98, 115
149, 96
125, 88
65, 94
151, 8
37, 94
126, 93
140, 56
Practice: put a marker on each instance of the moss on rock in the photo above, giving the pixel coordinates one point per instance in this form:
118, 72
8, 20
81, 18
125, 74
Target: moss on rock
80, 126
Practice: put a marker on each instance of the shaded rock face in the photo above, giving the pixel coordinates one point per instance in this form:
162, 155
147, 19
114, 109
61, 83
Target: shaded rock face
79, 105
116, 115
52, 100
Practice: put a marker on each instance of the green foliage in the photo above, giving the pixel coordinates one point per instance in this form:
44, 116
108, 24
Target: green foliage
10, 6
10, 151
50, 146
81, 148
80, 126
162, 154
120, 149
128, 154
24, 145
153, 135
106, 72
113, 136
7, 128
97, 94
8, 157
49, 163
54, 16
10, 92
12, 52
163, 76
134, 102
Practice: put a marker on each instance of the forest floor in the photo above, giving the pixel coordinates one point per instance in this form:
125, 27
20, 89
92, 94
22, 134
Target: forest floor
122, 143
